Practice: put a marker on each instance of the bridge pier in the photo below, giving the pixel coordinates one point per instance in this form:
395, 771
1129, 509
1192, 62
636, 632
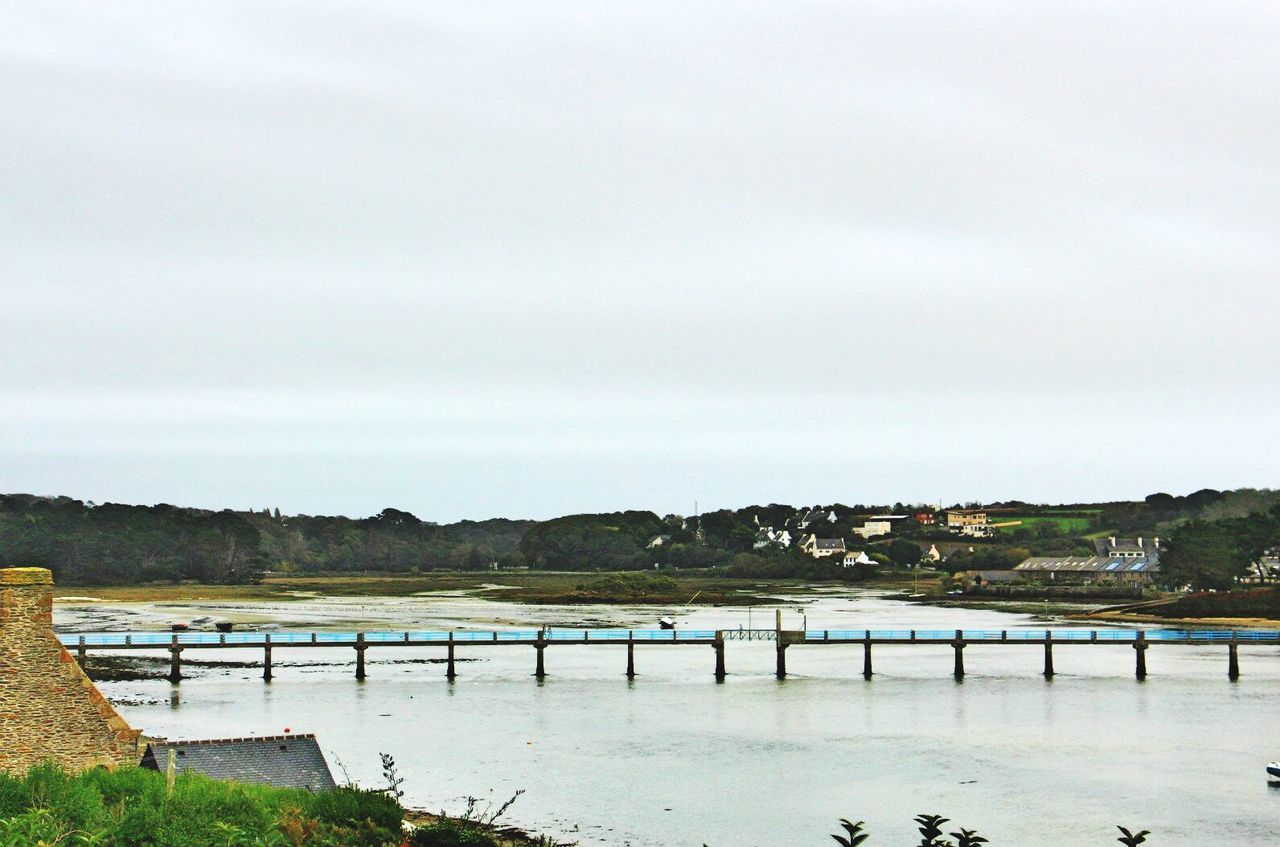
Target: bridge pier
266, 659
540, 668
1048, 655
450, 672
175, 661
82, 654
360, 648
1233, 658
866, 656
631, 654
718, 646
958, 644
1140, 648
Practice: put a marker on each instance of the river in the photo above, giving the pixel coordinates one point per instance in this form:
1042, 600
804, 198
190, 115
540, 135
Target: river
673, 758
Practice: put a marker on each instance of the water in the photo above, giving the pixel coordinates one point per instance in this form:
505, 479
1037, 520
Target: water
675, 759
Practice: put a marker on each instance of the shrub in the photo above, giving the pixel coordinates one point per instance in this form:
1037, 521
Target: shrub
449, 833
349, 806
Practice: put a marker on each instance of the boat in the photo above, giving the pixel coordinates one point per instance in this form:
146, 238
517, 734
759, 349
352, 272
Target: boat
1273, 770
667, 622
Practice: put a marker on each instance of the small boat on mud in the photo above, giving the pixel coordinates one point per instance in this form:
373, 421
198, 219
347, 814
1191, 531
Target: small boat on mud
667, 622
1273, 770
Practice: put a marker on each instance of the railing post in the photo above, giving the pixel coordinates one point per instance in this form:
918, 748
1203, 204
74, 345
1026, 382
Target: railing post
1048, 654
1093, 636
450, 672
175, 661
1140, 647
631, 654
1233, 657
866, 654
266, 658
360, 648
958, 644
718, 644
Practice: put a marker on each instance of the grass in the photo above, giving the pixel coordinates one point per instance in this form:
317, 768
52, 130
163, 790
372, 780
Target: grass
132, 807
1064, 524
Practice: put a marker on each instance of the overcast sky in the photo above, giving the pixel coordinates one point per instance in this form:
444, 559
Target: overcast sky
523, 259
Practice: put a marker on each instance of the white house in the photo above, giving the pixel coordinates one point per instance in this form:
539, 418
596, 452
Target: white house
858, 557
658, 541
932, 554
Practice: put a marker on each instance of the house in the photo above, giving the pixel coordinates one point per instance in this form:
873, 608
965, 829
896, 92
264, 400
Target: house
285, 761
1128, 548
858, 557
658, 541
1090, 569
932, 554
812, 516
767, 536
959, 518
994, 577
821, 548
974, 530
873, 527
926, 518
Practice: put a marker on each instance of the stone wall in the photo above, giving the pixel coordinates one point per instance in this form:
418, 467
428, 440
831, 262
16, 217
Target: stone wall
48, 708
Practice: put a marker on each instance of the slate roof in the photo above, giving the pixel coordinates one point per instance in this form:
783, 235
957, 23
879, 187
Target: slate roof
285, 761
1089, 564
828, 543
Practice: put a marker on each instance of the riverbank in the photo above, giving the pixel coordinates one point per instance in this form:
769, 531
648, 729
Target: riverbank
531, 587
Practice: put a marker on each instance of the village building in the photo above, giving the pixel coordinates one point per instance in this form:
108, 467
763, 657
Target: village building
856, 557
658, 541
284, 761
821, 548
957, 519
873, 528
1090, 569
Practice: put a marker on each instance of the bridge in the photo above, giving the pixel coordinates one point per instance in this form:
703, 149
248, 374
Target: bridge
450, 641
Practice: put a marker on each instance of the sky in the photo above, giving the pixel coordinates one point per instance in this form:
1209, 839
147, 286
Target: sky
528, 259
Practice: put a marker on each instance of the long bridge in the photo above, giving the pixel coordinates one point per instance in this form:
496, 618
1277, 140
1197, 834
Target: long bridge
450, 641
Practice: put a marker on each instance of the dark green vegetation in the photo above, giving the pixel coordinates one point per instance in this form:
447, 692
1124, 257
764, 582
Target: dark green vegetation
93, 545
933, 829
132, 807
1249, 603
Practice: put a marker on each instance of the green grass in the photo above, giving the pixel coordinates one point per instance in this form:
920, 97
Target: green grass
132, 807
1064, 524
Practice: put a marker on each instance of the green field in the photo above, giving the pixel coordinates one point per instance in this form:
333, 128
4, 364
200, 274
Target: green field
1066, 524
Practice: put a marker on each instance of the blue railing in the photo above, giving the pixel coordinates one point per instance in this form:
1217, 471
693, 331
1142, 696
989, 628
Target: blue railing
530, 636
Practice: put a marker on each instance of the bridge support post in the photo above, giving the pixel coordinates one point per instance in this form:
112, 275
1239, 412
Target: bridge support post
958, 644
631, 654
866, 656
540, 668
718, 645
781, 670
450, 672
266, 659
1233, 658
82, 654
1140, 648
1048, 654
360, 648
175, 661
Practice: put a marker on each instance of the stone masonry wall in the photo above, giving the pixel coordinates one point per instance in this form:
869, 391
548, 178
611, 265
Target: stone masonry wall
48, 708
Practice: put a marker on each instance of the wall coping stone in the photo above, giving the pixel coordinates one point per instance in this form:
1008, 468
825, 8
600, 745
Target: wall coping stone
26, 576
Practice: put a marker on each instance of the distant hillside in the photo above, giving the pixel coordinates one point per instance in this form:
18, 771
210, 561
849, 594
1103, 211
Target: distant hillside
89, 544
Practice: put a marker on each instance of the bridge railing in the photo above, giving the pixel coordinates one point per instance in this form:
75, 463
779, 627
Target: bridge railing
614, 635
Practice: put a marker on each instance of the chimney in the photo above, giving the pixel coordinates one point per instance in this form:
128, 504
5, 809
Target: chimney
1139, 541
1112, 542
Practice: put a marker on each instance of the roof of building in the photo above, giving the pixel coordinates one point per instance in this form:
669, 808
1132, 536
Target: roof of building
1094, 564
285, 761
828, 543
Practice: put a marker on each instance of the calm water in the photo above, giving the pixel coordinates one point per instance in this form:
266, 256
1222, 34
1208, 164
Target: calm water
675, 759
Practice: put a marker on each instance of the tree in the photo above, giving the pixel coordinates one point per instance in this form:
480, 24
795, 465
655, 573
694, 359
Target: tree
1204, 555
903, 552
